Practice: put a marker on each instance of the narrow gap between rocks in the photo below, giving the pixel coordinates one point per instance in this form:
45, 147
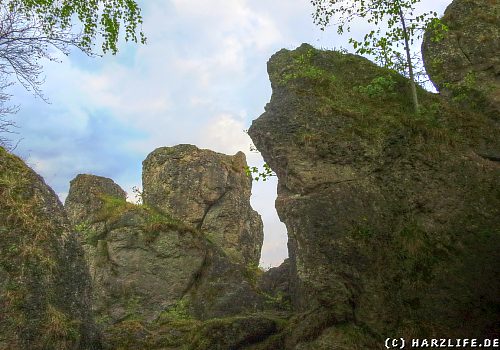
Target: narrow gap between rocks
274, 249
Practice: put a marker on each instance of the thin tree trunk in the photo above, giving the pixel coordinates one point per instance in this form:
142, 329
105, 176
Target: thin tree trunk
410, 65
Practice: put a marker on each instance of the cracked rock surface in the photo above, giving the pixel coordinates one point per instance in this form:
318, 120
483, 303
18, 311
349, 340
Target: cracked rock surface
158, 260
208, 191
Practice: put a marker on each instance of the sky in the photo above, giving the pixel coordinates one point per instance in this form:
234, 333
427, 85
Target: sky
201, 79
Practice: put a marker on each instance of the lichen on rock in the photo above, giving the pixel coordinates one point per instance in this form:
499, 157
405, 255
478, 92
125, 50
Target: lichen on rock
391, 216
44, 281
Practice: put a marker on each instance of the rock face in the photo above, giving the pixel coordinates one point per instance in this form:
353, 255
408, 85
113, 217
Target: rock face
276, 282
45, 296
141, 261
151, 269
85, 199
392, 218
466, 63
209, 191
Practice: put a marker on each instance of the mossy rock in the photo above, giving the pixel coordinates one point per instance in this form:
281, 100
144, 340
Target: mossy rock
45, 286
381, 204
464, 65
233, 333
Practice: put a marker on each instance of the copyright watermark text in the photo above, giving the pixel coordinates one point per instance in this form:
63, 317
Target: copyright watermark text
401, 343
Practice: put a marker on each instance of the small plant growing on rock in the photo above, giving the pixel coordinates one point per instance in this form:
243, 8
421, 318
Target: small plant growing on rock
390, 46
138, 195
379, 87
178, 311
253, 272
90, 235
264, 174
280, 301
303, 67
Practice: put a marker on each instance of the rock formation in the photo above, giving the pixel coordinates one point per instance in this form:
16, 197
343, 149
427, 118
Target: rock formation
44, 281
465, 64
141, 262
181, 255
86, 197
275, 282
392, 217
209, 191
392, 220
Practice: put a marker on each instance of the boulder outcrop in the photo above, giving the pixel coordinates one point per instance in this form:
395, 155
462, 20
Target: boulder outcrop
209, 191
45, 295
151, 264
86, 198
392, 220
392, 217
141, 261
465, 64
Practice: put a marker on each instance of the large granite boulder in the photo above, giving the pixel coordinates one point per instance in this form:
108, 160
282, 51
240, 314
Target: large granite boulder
45, 295
209, 191
465, 64
392, 217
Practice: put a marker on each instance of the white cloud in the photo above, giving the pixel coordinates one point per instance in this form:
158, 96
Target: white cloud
224, 133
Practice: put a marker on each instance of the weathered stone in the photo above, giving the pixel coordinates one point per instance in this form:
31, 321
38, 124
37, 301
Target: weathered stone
45, 296
87, 195
392, 218
224, 288
149, 267
141, 262
465, 64
209, 191
234, 333
275, 282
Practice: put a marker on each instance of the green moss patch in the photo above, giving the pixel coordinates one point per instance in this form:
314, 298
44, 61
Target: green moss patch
364, 105
117, 212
